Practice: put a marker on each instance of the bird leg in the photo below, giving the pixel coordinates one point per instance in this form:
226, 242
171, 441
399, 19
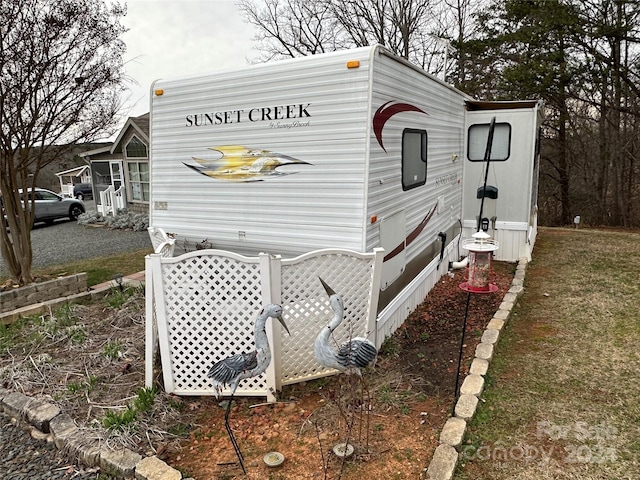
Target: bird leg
232, 436
360, 389
367, 406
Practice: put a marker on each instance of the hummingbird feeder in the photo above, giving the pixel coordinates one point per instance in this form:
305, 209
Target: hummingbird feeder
479, 270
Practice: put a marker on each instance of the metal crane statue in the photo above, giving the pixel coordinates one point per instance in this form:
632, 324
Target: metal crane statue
231, 370
352, 355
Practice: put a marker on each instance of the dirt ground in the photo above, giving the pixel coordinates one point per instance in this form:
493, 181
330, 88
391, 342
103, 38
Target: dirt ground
90, 360
392, 418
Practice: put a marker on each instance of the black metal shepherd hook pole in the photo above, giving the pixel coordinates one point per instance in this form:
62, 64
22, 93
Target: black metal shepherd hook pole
464, 328
487, 159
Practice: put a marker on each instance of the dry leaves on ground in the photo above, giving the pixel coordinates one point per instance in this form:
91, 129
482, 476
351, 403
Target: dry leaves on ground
89, 359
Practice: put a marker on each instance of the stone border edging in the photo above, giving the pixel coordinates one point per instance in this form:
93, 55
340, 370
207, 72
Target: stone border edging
49, 423
445, 458
20, 297
52, 425
91, 293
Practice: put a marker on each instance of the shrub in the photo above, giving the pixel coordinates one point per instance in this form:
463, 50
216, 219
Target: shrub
122, 220
90, 218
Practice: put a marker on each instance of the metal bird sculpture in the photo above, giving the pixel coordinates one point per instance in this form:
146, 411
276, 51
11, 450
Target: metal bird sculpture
231, 370
241, 164
352, 355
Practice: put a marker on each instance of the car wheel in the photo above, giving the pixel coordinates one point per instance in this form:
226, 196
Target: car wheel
75, 211
79, 196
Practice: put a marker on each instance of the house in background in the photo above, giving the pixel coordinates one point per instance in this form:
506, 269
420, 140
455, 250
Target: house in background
69, 178
120, 171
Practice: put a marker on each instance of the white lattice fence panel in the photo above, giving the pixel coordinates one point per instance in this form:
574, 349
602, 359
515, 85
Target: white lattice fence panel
307, 305
211, 301
151, 325
206, 302
163, 245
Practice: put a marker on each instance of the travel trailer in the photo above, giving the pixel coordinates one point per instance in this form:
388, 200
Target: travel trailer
354, 149
510, 210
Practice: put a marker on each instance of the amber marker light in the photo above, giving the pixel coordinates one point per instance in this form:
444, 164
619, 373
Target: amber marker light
374, 218
353, 64
159, 92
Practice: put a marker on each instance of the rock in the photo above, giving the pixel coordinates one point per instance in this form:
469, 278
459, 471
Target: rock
152, 468
453, 431
119, 463
466, 406
443, 463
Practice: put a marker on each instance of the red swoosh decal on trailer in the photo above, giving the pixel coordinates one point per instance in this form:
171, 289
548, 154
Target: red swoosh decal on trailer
385, 112
412, 236
393, 252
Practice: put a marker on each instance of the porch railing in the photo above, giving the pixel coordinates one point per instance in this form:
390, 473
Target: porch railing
112, 200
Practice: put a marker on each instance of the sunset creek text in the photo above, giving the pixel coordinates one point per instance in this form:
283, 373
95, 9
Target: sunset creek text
280, 112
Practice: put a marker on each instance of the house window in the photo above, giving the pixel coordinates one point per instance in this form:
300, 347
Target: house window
138, 170
414, 158
136, 148
139, 180
478, 135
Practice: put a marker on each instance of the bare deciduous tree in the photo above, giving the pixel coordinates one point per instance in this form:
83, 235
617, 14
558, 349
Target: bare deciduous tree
418, 30
610, 37
60, 84
291, 28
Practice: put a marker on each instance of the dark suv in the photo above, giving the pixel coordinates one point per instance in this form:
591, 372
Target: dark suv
82, 191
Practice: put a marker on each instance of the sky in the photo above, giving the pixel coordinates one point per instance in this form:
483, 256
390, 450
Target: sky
176, 38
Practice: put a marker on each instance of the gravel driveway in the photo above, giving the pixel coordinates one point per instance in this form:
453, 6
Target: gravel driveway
66, 241
25, 458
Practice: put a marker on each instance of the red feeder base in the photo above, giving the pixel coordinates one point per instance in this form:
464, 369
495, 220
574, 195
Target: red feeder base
490, 288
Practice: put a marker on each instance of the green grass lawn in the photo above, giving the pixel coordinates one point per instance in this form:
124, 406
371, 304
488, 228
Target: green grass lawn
100, 269
562, 399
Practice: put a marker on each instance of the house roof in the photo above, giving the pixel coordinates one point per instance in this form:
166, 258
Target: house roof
76, 172
139, 125
96, 151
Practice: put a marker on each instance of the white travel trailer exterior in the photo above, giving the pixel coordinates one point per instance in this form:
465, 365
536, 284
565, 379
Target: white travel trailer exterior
510, 210
354, 149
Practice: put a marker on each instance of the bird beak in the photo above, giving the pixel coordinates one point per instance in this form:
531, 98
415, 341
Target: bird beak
327, 288
281, 320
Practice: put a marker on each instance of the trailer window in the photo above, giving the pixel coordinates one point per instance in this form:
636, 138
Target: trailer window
478, 134
414, 158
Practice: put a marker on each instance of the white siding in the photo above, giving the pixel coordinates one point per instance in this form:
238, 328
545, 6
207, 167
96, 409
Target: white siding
444, 123
512, 177
515, 179
321, 206
513, 238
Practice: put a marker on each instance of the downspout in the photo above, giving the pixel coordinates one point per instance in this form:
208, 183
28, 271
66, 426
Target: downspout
461, 264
